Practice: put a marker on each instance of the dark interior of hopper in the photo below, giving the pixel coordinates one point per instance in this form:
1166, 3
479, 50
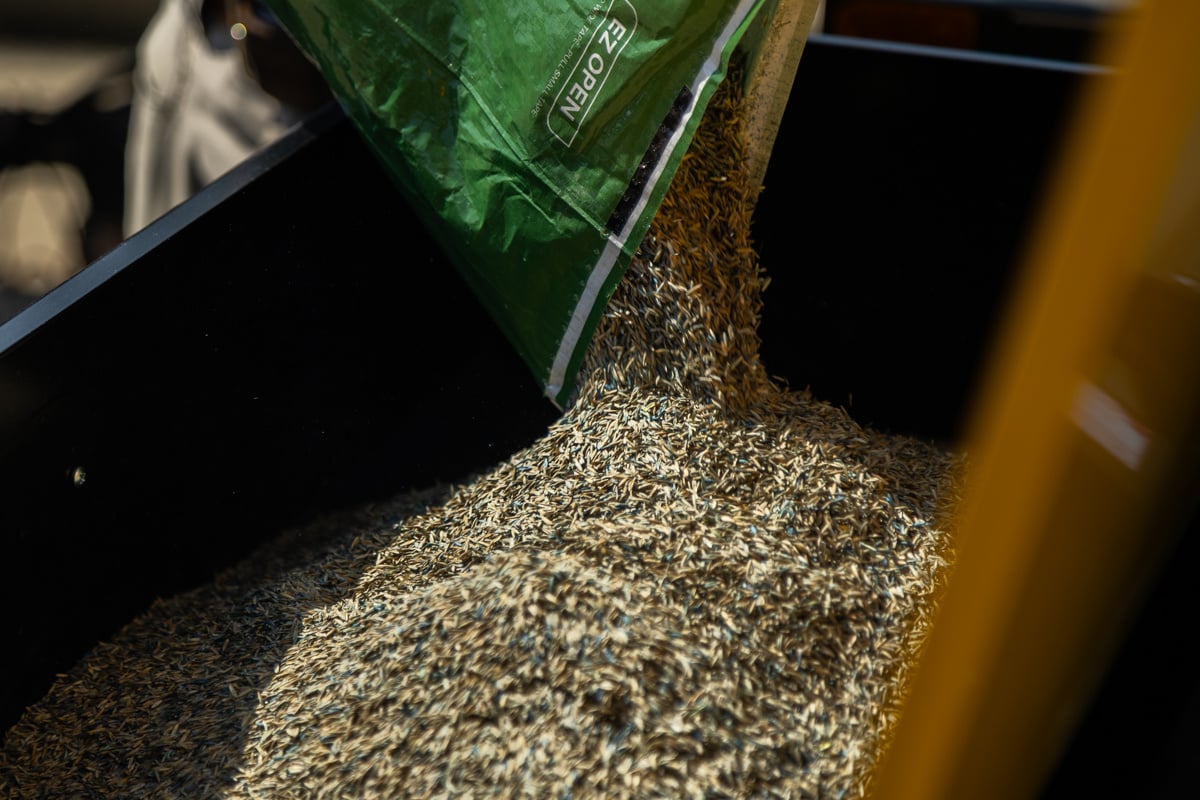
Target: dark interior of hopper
895, 208
289, 341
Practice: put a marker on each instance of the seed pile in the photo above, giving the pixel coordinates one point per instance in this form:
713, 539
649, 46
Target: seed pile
698, 583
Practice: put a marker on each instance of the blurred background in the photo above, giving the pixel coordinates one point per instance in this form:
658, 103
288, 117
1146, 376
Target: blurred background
65, 68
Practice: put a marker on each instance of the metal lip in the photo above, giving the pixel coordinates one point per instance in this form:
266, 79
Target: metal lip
61, 299
958, 54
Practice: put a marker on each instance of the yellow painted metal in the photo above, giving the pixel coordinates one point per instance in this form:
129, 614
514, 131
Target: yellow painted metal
1084, 437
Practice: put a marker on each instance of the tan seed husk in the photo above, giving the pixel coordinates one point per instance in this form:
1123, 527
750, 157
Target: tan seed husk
698, 583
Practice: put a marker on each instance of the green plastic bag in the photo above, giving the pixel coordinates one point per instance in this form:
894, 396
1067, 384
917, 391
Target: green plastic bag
534, 138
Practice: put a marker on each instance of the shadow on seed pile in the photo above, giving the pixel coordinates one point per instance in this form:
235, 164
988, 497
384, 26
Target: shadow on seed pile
697, 583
